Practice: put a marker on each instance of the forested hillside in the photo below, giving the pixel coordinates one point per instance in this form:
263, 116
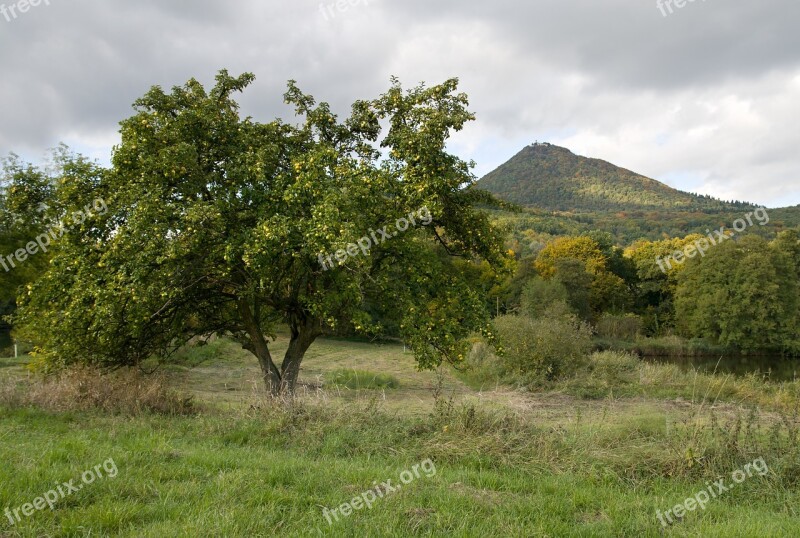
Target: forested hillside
563, 193
552, 177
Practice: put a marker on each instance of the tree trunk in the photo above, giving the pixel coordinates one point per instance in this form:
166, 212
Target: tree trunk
259, 348
303, 335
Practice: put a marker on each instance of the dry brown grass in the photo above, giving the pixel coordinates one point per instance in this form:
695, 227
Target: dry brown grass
126, 391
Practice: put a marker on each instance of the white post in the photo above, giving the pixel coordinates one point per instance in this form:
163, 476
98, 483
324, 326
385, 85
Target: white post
16, 355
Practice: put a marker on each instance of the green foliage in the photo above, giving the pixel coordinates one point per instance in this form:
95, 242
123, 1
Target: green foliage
606, 372
656, 279
23, 191
583, 248
539, 350
609, 293
788, 242
6, 344
585, 265
787, 216
623, 327
217, 223
614, 367
533, 227
678, 349
572, 274
361, 379
539, 295
743, 294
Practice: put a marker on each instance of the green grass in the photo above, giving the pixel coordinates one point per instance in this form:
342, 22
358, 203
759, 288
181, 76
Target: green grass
272, 473
622, 375
360, 379
508, 463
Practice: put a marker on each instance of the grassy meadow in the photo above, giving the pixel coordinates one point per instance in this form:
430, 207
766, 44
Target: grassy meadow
201, 451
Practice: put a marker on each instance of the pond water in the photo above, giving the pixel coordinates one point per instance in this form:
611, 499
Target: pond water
775, 367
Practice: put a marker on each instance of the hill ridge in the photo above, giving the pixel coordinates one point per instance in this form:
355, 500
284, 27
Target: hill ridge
552, 177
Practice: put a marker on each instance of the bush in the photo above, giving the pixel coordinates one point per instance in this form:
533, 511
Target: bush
662, 346
482, 366
543, 349
360, 379
539, 294
701, 346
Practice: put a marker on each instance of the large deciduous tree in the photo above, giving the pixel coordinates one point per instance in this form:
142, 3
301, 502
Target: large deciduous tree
216, 223
585, 265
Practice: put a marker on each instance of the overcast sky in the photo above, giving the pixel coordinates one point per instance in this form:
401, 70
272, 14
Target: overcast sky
705, 99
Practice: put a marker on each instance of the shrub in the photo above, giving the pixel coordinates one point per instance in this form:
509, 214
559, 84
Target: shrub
543, 349
539, 294
701, 346
608, 373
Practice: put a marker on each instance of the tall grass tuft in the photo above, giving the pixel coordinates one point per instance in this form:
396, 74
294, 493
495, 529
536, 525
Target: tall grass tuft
361, 379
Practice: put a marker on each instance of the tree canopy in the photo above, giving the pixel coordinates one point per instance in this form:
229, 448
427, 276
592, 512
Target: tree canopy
744, 294
216, 225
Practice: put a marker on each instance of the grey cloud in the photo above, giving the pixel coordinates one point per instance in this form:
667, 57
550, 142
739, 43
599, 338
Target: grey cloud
666, 96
